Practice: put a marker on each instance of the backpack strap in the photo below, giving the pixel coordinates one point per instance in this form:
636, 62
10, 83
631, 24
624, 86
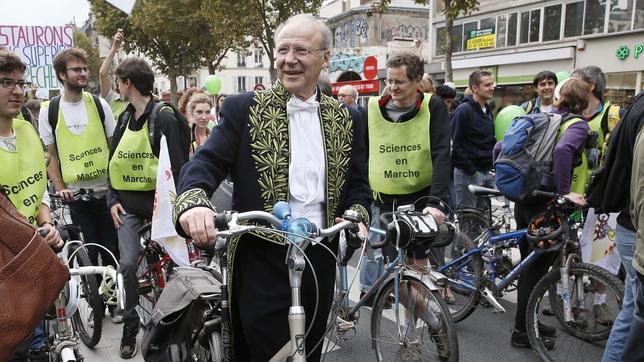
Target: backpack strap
152, 120
99, 108
52, 114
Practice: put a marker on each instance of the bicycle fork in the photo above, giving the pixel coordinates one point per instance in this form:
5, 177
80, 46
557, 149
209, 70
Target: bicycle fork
565, 289
65, 344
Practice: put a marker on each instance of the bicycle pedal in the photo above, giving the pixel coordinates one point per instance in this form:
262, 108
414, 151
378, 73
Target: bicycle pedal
498, 308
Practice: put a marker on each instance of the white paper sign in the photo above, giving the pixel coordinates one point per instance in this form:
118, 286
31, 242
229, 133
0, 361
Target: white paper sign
598, 241
162, 227
124, 5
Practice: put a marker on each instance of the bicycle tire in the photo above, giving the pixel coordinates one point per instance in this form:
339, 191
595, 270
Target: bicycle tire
396, 346
577, 342
471, 224
89, 298
148, 285
213, 351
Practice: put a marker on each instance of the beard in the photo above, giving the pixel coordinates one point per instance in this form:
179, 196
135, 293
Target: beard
75, 87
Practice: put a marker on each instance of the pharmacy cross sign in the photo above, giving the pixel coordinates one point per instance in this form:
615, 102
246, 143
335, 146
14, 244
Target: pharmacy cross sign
624, 51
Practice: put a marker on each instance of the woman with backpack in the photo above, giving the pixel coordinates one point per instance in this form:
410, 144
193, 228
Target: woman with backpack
571, 98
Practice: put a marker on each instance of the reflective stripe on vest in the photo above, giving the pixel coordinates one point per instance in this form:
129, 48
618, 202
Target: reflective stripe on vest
400, 160
133, 166
581, 173
24, 175
82, 157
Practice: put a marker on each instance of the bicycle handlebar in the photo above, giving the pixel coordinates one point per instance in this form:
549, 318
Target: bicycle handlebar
559, 200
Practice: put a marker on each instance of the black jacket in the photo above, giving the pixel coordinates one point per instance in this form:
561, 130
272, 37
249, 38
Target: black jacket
472, 137
142, 202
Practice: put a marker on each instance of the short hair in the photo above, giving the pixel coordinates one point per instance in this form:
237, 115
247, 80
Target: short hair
325, 85
415, 65
33, 105
544, 75
574, 95
323, 28
198, 98
10, 62
351, 89
183, 101
139, 72
475, 77
61, 59
593, 75
445, 91
427, 84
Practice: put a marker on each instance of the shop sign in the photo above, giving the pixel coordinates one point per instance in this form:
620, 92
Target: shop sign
482, 38
623, 52
371, 86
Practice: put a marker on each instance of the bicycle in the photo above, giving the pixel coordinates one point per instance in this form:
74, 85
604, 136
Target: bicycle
211, 338
419, 325
468, 279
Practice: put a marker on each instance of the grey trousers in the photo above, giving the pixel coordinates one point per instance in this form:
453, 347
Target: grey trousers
129, 248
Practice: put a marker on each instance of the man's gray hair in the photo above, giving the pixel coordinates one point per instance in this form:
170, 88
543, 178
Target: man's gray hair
351, 89
593, 75
324, 29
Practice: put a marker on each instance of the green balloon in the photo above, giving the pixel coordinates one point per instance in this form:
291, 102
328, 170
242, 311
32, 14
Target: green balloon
562, 75
504, 119
213, 84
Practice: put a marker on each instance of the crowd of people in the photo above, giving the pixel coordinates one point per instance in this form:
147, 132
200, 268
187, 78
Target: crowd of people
414, 144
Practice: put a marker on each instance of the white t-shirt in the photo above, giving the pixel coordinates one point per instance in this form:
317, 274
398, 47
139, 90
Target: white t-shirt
75, 116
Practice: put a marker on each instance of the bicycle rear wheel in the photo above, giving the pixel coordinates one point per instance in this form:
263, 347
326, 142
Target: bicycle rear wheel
88, 318
402, 333
591, 289
148, 285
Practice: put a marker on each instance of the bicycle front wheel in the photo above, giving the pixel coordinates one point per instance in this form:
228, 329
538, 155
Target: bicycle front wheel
88, 318
206, 343
595, 300
418, 327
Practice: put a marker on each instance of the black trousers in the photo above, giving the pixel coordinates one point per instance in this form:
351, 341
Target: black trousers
529, 278
261, 297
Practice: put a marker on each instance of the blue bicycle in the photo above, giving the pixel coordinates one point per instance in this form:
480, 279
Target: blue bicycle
570, 291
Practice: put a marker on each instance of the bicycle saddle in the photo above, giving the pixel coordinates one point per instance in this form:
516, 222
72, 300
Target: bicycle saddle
484, 191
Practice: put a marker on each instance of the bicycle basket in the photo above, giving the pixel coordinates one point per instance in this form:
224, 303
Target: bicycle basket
546, 231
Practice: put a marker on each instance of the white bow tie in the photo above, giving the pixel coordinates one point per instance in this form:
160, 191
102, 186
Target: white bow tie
295, 105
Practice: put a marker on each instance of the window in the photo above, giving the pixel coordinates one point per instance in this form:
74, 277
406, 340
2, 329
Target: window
639, 15
457, 31
551, 22
535, 25
241, 59
487, 23
573, 21
594, 16
500, 30
259, 80
525, 27
259, 58
467, 28
512, 29
241, 84
620, 16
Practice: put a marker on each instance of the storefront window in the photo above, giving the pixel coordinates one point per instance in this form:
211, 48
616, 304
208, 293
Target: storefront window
467, 27
512, 29
525, 26
594, 17
620, 88
620, 16
535, 25
552, 22
639, 15
500, 31
573, 22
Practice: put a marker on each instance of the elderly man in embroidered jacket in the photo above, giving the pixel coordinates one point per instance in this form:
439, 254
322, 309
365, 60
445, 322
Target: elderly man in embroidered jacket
288, 143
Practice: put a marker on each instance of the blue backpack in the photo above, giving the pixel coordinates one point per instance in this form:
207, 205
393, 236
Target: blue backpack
525, 161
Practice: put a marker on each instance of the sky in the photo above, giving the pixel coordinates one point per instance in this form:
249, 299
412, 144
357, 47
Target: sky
43, 12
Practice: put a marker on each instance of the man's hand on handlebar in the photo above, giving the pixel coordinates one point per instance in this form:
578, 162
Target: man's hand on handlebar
199, 224
576, 198
436, 213
52, 236
363, 231
66, 194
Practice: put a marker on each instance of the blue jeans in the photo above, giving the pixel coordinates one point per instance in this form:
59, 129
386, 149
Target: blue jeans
373, 265
463, 198
622, 326
634, 349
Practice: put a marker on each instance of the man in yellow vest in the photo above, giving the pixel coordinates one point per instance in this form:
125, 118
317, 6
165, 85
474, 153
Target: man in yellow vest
409, 152
77, 141
134, 158
23, 176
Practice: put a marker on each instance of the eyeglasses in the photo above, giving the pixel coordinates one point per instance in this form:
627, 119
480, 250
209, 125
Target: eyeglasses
344, 95
396, 82
299, 52
78, 69
9, 83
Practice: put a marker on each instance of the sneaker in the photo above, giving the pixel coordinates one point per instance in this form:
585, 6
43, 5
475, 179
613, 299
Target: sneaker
114, 315
520, 340
128, 341
602, 314
546, 330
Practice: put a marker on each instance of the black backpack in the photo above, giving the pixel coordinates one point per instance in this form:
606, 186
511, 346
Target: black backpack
54, 106
182, 123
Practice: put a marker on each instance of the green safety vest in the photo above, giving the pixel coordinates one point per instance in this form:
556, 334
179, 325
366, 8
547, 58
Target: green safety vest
82, 157
400, 160
24, 174
133, 166
581, 173
595, 124
117, 106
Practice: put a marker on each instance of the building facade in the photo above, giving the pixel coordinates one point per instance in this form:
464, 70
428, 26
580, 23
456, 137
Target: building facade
518, 38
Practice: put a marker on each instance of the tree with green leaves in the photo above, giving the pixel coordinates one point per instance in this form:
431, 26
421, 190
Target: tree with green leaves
452, 10
175, 34
82, 41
